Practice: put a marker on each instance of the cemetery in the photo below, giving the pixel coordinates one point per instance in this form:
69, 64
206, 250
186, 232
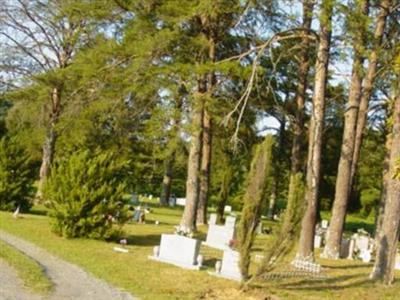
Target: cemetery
199, 150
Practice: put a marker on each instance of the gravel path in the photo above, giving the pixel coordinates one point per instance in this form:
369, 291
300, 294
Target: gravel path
70, 282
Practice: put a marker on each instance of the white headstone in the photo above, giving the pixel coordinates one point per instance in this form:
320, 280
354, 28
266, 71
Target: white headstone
397, 264
181, 201
219, 236
213, 219
324, 224
230, 265
366, 256
317, 241
362, 242
259, 229
230, 221
352, 246
179, 250
228, 209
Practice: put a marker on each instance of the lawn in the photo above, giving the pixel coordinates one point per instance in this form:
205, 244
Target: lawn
147, 279
28, 270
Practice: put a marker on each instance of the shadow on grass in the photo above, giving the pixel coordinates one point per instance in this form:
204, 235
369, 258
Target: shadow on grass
37, 211
336, 283
144, 240
345, 267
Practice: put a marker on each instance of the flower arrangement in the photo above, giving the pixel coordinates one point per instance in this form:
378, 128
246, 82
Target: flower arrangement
183, 231
233, 244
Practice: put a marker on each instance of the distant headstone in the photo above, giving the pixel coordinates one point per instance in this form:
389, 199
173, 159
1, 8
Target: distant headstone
178, 250
213, 219
172, 202
150, 197
228, 209
219, 236
317, 241
345, 248
134, 199
230, 221
362, 242
324, 224
259, 228
352, 245
397, 264
181, 201
366, 256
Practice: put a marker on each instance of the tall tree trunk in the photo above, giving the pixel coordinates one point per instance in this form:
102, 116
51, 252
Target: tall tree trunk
50, 141
389, 230
205, 169
224, 191
298, 124
188, 221
306, 244
339, 209
368, 84
167, 181
207, 144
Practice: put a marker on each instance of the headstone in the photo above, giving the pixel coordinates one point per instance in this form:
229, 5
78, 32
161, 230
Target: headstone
219, 236
352, 246
229, 268
317, 241
134, 199
172, 201
228, 209
181, 201
362, 242
213, 219
366, 256
178, 250
324, 224
230, 221
397, 264
345, 248
259, 228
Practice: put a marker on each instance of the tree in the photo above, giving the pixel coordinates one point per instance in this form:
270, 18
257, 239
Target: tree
388, 234
43, 37
343, 185
306, 244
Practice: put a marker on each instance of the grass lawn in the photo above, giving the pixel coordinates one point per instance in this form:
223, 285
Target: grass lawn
147, 279
27, 269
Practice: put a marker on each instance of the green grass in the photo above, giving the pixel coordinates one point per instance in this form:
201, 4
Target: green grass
147, 279
27, 269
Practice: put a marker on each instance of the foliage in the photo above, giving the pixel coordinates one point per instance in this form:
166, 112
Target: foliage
85, 195
256, 185
16, 176
369, 199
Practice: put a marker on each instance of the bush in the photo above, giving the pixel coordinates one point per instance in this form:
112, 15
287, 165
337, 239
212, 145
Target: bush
85, 195
15, 176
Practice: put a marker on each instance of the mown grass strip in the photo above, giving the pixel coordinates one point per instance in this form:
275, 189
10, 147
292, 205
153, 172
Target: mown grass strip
27, 269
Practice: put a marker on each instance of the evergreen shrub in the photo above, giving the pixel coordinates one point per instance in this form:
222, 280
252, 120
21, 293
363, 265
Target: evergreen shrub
16, 178
85, 195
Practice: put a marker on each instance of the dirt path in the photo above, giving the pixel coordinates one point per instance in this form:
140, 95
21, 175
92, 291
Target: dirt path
70, 281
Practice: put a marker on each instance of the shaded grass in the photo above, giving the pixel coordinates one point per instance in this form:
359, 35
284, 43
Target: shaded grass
28, 270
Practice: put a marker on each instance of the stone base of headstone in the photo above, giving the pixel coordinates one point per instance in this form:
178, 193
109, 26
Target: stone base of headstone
178, 250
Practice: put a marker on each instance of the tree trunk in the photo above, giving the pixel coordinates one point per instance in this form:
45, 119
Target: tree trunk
369, 83
339, 209
50, 142
188, 221
205, 170
306, 244
388, 234
224, 192
298, 124
167, 182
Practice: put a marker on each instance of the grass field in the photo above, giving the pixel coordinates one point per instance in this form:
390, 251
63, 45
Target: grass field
27, 269
147, 279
